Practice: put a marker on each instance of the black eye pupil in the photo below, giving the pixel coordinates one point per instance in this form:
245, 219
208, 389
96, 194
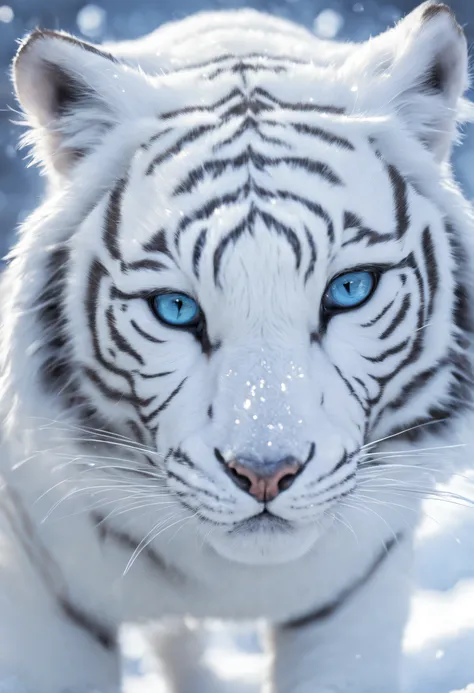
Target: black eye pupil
347, 286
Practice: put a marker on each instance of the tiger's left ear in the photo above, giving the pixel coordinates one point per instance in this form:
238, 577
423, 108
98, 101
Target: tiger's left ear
72, 93
420, 70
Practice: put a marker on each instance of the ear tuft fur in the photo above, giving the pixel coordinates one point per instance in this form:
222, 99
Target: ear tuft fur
434, 9
72, 94
418, 69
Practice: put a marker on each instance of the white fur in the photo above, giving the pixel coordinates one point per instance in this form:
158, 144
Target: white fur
266, 383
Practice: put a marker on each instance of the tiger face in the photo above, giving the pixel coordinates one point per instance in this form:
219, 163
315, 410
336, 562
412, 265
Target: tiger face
262, 288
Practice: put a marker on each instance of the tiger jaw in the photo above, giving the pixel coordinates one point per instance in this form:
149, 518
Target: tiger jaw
263, 540
244, 527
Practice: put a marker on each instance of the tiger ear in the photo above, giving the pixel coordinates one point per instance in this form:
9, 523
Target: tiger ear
420, 70
72, 94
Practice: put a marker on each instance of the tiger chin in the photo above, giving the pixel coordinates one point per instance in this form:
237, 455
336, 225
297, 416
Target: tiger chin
230, 333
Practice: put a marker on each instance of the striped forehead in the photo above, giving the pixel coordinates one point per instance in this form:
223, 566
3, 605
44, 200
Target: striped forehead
244, 171
315, 201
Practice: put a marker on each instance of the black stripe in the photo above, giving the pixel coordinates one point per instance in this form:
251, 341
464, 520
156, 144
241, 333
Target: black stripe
399, 190
191, 136
119, 340
399, 317
351, 390
232, 56
200, 491
112, 219
243, 108
389, 352
346, 458
197, 251
146, 145
209, 108
286, 231
431, 269
300, 106
261, 162
380, 315
145, 335
311, 206
314, 255
158, 244
151, 376
270, 222
57, 370
416, 385
143, 265
400, 203
208, 209
113, 394
334, 605
324, 135
58, 374
417, 343
183, 458
165, 404
136, 431
103, 635
140, 293
250, 123
351, 221
97, 274
242, 68
321, 492
229, 238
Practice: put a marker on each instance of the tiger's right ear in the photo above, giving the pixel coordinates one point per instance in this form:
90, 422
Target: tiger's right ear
72, 94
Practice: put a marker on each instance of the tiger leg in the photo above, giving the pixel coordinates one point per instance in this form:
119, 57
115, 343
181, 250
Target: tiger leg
181, 648
354, 648
45, 644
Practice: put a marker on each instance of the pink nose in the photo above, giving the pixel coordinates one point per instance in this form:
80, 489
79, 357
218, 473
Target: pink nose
264, 487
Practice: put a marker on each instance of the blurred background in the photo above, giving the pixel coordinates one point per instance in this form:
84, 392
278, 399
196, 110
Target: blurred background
105, 20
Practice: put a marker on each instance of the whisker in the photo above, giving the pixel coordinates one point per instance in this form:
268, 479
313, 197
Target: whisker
416, 451
150, 537
399, 433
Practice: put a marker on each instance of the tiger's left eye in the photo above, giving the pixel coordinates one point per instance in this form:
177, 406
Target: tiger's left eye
349, 290
176, 309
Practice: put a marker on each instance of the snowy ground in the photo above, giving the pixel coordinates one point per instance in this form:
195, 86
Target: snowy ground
439, 644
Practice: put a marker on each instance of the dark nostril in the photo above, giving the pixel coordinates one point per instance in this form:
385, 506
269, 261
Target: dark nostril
286, 481
239, 479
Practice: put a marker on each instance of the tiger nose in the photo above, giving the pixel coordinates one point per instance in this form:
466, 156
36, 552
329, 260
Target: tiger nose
264, 486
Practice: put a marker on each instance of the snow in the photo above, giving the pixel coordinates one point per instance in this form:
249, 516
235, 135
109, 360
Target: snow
439, 642
328, 24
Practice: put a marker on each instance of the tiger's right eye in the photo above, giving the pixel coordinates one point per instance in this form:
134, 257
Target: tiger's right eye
176, 309
349, 290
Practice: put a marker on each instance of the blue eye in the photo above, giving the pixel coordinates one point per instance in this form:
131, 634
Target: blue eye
176, 309
349, 290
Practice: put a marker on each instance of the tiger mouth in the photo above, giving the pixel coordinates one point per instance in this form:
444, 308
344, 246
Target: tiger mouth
264, 521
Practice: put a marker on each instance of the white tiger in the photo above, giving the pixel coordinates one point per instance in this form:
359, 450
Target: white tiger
240, 312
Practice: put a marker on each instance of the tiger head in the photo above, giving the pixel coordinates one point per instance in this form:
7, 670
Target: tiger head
251, 266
